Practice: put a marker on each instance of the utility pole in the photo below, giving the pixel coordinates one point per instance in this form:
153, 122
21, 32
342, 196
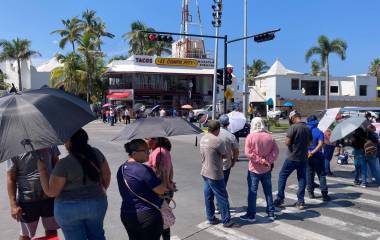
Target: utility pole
245, 96
217, 15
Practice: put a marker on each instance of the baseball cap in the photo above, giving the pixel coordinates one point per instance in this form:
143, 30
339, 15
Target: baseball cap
294, 113
224, 120
213, 125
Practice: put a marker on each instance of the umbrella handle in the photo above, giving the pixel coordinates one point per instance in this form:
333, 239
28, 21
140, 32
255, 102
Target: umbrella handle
27, 142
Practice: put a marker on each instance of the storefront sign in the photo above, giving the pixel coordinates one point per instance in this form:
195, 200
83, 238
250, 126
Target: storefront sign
177, 62
206, 63
142, 59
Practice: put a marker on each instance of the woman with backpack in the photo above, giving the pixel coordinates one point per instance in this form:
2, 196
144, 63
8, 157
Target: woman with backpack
358, 139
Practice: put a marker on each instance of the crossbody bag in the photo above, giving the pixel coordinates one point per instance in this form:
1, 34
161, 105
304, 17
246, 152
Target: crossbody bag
166, 211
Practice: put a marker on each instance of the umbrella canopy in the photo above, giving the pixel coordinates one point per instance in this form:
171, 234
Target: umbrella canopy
288, 104
187, 106
157, 127
107, 105
119, 106
138, 107
42, 117
237, 121
155, 108
328, 118
346, 127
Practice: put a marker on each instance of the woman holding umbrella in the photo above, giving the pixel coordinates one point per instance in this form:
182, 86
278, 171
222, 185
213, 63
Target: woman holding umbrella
78, 183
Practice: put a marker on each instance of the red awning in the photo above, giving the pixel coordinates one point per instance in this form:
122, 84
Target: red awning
118, 95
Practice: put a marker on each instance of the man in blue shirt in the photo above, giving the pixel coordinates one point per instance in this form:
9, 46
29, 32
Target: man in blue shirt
315, 162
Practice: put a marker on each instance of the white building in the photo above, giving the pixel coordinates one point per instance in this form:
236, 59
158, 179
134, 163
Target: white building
31, 77
280, 83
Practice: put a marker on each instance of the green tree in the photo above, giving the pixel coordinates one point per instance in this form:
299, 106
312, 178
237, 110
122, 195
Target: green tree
258, 67
315, 68
71, 75
118, 57
71, 33
138, 42
324, 49
160, 47
19, 50
3, 84
100, 31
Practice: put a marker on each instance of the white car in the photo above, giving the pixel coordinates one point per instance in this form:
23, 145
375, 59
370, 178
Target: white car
198, 113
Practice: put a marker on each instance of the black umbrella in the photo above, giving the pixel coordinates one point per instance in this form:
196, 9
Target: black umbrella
157, 127
39, 118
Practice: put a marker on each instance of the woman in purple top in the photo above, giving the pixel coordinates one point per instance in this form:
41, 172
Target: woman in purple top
140, 188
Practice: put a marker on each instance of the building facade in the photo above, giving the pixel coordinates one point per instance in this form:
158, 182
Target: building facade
280, 84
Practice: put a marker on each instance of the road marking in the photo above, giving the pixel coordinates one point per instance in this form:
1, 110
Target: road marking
174, 238
334, 223
355, 189
336, 207
227, 233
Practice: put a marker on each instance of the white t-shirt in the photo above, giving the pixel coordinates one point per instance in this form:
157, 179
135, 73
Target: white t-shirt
126, 113
162, 113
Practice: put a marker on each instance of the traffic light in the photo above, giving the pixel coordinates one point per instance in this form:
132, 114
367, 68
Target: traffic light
219, 76
217, 13
229, 71
160, 38
262, 37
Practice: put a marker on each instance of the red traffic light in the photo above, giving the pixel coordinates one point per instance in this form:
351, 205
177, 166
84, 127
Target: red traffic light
229, 70
152, 37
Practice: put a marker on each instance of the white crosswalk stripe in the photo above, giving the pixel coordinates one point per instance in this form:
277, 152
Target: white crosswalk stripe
354, 189
337, 218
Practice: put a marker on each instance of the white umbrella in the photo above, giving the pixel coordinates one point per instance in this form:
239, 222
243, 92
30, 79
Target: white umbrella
328, 118
346, 127
237, 121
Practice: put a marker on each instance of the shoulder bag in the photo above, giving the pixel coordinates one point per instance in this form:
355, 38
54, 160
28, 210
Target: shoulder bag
166, 211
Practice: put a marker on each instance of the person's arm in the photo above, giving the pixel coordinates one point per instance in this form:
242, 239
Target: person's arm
106, 174
272, 156
317, 148
289, 136
288, 141
53, 186
16, 211
250, 153
160, 189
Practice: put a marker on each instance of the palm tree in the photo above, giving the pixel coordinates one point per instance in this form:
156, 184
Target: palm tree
100, 31
88, 50
89, 20
160, 47
315, 68
71, 32
138, 42
258, 67
118, 57
324, 48
19, 50
374, 69
71, 74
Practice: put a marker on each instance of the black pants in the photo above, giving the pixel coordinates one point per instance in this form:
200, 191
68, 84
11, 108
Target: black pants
145, 225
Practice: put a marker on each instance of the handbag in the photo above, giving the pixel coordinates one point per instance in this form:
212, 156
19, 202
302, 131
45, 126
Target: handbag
166, 211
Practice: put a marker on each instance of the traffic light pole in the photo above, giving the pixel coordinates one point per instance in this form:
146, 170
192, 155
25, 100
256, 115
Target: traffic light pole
225, 74
215, 74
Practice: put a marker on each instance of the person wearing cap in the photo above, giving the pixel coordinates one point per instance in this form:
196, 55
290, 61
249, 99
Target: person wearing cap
315, 162
231, 144
261, 150
213, 151
297, 140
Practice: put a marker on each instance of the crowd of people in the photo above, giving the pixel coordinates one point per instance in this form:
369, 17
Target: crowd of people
70, 193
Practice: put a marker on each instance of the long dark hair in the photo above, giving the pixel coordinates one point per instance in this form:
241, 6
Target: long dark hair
85, 155
164, 143
134, 145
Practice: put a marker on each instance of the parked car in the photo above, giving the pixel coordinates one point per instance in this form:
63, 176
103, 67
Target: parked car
198, 113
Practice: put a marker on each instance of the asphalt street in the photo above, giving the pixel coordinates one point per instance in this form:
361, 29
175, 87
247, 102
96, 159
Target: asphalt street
354, 213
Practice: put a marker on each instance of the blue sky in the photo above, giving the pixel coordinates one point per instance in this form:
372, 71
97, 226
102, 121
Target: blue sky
301, 22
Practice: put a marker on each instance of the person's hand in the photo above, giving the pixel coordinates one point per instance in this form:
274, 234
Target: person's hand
41, 165
309, 154
16, 212
265, 162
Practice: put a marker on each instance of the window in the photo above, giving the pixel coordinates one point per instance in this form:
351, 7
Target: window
295, 84
323, 88
363, 90
334, 89
311, 87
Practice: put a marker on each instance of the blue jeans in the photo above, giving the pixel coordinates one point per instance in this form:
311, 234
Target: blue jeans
253, 180
287, 169
316, 165
373, 165
226, 174
217, 188
358, 159
81, 219
328, 152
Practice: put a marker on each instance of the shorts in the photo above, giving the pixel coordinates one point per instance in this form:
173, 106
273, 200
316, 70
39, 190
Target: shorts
32, 212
